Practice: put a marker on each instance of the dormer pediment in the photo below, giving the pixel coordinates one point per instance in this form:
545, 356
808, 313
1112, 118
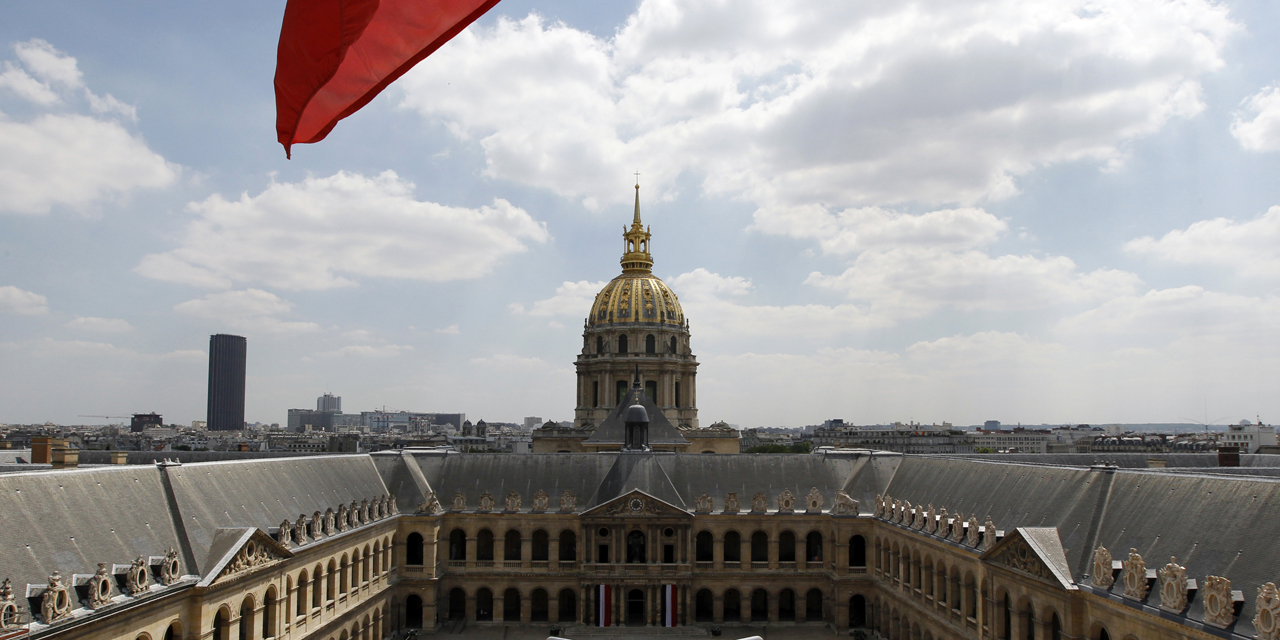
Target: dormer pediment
241, 550
1034, 551
636, 504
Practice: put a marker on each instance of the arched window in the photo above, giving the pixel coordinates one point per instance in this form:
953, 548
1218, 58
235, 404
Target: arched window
364, 566
484, 604
568, 546
222, 625
316, 575
857, 612
568, 606
702, 548
377, 558
599, 344
732, 547
174, 632
857, 551
673, 344
1006, 618
760, 548
511, 546
732, 606
622, 343
787, 605
1055, 627
635, 547
650, 344
539, 605
511, 605
329, 577
702, 607
787, 547
813, 605
635, 607
759, 606
413, 612
457, 604
269, 605
651, 389
302, 593
457, 545
246, 618
342, 574
541, 546
620, 387
813, 547
484, 545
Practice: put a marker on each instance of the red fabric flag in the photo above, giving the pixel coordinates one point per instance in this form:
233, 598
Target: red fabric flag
336, 55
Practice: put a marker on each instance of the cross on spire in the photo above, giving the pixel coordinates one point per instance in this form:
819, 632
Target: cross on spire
637, 177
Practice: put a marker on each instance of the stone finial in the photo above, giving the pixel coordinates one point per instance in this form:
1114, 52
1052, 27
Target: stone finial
957, 527
343, 520
136, 580
731, 502
786, 502
944, 525
375, 509
541, 501
568, 501
56, 602
972, 538
1173, 586
813, 501
100, 587
285, 535
703, 503
1103, 577
300, 530
1219, 606
364, 512
1267, 620
170, 568
353, 512
759, 503
459, 502
1135, 576
513, 501
906, 513
486, 502
922, 517
330, 522
879, 506
845, 505
989, 538
317, 525
930, 519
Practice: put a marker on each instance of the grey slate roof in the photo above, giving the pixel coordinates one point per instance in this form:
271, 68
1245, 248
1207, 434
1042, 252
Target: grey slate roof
612, 430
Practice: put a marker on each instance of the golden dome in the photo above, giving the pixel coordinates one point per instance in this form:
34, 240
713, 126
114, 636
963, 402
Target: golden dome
637, 295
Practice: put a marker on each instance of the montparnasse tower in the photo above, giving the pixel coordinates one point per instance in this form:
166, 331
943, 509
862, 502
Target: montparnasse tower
636, 328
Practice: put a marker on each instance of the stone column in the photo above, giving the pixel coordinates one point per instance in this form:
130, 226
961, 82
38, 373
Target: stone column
773, 552
526, 552
470, 551
553, 551
717, 553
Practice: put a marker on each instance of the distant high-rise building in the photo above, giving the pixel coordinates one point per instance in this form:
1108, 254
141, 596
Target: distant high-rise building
329, 402
141, 421
226, 382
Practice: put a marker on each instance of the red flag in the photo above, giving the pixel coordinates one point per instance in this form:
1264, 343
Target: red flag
336, 55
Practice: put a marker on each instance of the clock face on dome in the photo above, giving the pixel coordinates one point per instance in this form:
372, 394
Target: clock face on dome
636, 504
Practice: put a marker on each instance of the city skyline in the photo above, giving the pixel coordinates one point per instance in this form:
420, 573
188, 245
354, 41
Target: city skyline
953, 214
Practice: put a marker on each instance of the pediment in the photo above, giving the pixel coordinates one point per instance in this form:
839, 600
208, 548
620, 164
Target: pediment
1034, 551
239, 551
636, 504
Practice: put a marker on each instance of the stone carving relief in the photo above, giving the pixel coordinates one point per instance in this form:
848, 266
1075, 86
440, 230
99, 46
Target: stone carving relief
56, 602
944, 524
430, 506
459, 502
330, 523
879, 513
957, 527
1135, 576
1173, 586
568, 501
731, 502
1219, 605
989, 538
814, 501
541, 501
786, 502
10, 617
633, 507
300, 530
759, 503
285, 535
1103, 577
513, 501
364, 512
317, 526
972, 538
930, 519
486, 502
100, 587
703, 503
375, 509
170, 569
251, 556
353, 513
905, 513
392, 507
1020, 556
344, 521
922, 517
895, 511
845, 505
136, 580
1267, 620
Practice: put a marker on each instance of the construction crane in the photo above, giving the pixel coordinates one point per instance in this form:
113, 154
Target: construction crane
85, 416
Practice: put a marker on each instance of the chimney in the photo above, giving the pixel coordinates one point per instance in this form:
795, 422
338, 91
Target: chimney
42, 449
65, 458
1228, 457
119, 457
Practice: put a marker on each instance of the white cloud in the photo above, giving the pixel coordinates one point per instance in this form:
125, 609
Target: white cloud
68, 159
248, 310
571, 299
21, 302
1250, 248
367, 351
859, 229
100, 325
708, 300
1188, 311
451, 330
321, 233
908, 282
1262, 132
836, 103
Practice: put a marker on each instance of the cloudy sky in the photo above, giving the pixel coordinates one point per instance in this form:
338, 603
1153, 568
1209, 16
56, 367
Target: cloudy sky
1030, 211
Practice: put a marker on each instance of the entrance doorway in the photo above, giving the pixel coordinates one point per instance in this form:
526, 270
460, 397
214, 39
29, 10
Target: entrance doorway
635, 608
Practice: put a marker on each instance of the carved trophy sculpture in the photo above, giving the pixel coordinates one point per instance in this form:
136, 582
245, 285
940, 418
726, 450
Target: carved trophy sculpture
353, 512
513, 501
9, 614
486, 502
922, 517
1173, 586
989, 538
365, 518
136, 581
300, 530
344, 521
702, 504
541, 501
1103, 576
731, 502
430, 506
317, 526
845, 505
972, 538
944, 524
786, 502
813, 502
904, 513
1267, 620
285, 535
759, 503
100, 587
375, 509
568, 501
1219, 606
56, 602
170, 569
930, 519
879, 507
392, 506
957, 527
330, 522
1135, 576
459, 502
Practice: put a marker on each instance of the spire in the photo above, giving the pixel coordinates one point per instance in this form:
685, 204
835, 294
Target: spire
636, 220
635, 251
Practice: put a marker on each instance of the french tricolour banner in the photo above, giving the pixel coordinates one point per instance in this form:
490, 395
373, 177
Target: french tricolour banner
604, 602
668, 605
